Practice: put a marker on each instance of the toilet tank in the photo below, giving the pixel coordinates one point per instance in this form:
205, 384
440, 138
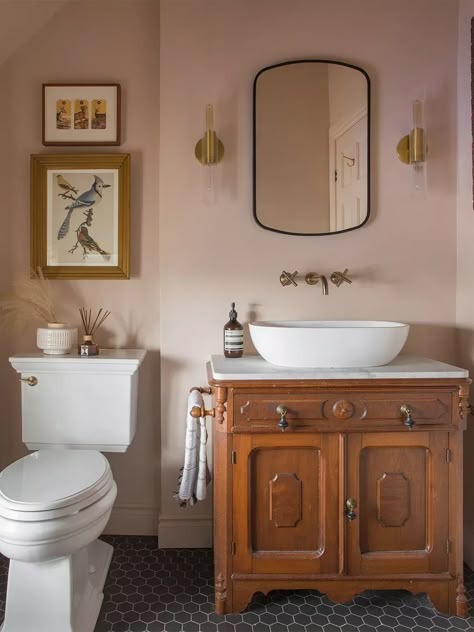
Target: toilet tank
80, 402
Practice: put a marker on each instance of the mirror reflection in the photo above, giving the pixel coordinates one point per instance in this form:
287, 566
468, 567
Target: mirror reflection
311, 147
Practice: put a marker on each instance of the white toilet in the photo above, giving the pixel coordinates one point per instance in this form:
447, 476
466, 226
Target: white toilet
55, 503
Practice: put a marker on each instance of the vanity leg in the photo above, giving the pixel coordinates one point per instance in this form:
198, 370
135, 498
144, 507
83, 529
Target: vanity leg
221, 595
461, 600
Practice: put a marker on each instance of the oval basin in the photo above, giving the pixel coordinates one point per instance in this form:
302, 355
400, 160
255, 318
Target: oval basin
328, 343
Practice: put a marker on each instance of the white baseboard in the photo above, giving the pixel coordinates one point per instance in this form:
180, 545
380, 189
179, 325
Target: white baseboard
132, 520
185, 533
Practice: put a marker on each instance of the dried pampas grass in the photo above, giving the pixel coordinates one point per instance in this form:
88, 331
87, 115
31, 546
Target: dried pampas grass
30, 300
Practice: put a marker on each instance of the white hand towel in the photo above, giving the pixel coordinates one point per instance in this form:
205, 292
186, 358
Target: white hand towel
195, 473
203, 471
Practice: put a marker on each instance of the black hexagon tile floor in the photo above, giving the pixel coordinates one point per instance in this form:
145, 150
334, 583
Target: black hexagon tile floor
171, 590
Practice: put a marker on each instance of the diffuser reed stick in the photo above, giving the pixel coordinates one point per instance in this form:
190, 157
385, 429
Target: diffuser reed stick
89, 348
86, 317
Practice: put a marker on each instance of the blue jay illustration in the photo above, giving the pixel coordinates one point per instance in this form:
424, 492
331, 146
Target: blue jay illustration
86, 201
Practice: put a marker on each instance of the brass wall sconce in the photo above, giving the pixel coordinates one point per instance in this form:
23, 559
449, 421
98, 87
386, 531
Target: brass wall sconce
411, 149
209, 150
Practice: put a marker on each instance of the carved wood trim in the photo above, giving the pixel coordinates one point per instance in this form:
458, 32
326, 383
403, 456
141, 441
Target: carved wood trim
221, 398
221, 594
464, 406
343, 409
461, 599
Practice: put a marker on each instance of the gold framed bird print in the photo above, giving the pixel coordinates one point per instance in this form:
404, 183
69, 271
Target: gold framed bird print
80, 215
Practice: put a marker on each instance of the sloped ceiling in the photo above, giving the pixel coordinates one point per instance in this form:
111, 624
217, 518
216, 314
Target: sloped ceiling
20, 20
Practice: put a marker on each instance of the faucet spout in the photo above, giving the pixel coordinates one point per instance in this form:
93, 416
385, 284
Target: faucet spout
324, 283
312, 278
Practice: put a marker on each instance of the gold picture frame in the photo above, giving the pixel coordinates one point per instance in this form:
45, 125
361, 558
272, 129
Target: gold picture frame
80, 215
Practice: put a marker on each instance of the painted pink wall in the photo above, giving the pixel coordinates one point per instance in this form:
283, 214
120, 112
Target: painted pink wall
465, 259
21, 20
122, 45
403, 262
190, 259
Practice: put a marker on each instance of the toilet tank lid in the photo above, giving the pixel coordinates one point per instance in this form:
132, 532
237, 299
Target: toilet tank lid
123, 361
50, 479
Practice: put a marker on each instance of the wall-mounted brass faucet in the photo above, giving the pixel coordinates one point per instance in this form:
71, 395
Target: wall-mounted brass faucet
312, 278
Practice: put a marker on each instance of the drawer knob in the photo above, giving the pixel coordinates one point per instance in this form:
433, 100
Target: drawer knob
409, 421
351, 504
282, 411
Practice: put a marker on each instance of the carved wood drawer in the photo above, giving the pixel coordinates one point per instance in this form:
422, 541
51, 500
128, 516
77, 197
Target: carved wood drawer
339, 410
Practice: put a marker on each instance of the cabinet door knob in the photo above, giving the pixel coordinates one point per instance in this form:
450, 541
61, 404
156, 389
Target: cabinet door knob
282, 411
409, 421
351, 504
31, 381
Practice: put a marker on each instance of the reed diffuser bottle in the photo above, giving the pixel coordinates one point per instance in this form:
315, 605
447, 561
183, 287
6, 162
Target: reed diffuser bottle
233, 336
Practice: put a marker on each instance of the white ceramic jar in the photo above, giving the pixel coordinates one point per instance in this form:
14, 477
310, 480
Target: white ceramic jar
56, 339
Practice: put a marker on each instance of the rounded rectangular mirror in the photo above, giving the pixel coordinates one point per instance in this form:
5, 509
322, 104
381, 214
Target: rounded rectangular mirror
311, 138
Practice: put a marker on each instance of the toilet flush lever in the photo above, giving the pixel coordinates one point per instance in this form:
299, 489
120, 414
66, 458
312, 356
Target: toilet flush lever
31, 381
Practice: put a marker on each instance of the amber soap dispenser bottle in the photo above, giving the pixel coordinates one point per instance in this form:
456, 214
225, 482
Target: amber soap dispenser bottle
233, 336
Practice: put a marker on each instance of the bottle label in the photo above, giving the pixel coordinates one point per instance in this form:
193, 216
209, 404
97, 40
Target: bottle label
233, 340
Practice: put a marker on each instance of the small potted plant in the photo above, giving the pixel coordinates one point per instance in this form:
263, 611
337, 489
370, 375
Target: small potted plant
30, 300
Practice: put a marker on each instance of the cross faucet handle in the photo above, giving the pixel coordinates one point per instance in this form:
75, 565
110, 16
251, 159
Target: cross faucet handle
288, 278
340, 277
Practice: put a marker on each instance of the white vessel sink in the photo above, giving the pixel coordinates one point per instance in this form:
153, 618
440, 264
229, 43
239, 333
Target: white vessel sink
328, 343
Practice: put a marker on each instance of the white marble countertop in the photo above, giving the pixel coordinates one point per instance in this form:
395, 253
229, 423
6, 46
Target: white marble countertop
404, 366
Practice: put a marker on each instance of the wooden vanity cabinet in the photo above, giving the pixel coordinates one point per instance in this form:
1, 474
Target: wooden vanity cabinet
347, 497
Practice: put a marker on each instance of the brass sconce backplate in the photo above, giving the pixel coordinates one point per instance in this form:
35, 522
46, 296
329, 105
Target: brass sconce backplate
200, 151
403, 149
411, 148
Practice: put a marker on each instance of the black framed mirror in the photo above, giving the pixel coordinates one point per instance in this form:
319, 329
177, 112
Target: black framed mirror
311, 147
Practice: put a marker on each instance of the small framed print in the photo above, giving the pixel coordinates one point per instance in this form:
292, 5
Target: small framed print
80, 215
81, 114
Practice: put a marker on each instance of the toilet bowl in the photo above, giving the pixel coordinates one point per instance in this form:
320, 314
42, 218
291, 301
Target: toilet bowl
54, 504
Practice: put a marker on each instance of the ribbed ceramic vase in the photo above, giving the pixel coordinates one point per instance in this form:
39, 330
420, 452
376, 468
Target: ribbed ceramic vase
56, 339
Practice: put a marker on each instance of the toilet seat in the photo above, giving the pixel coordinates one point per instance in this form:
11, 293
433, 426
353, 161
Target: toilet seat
49, 484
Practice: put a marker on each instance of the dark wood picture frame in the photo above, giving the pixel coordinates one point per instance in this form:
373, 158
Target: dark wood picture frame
88, 136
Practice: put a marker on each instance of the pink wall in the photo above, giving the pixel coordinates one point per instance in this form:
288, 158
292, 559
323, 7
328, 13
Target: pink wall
122, 45
465, 240
403, 262
190, 259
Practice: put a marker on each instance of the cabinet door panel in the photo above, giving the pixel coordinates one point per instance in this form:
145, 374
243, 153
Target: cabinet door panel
285, 503
400, 482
